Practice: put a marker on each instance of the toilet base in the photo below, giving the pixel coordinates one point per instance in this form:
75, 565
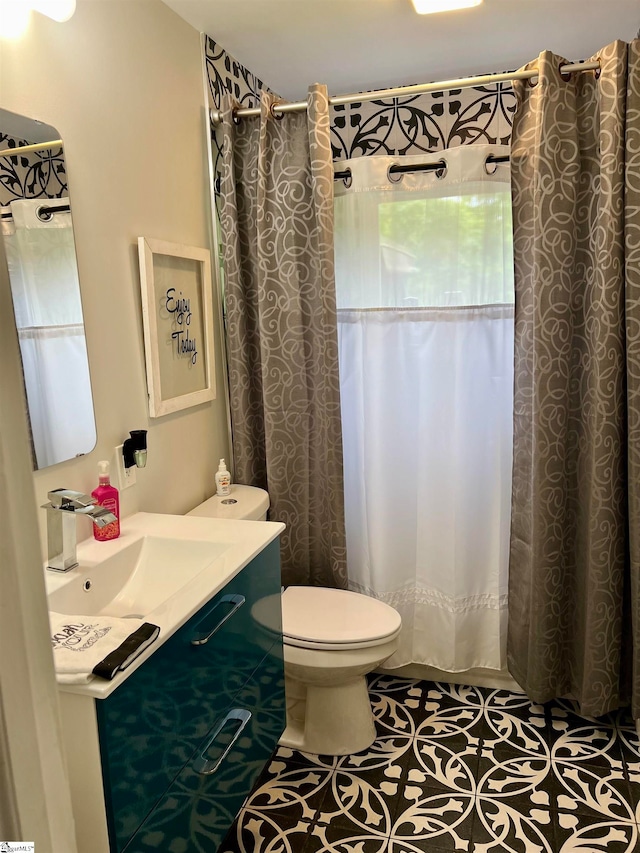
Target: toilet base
328, 719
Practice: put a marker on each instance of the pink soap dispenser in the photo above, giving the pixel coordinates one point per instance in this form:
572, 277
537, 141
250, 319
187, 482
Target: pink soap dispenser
107, 496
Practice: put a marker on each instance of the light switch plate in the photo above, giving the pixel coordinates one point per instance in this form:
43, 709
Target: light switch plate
126, 476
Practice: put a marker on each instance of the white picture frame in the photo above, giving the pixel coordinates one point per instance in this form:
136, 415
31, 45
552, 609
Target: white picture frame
177, 320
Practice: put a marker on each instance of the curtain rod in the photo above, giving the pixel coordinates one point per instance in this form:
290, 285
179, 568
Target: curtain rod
419, 89
45, 212
398, 169
25, 149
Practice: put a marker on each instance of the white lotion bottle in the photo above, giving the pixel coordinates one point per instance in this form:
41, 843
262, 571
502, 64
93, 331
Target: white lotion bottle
223, 480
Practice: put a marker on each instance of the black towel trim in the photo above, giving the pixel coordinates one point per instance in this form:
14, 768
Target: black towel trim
127, 651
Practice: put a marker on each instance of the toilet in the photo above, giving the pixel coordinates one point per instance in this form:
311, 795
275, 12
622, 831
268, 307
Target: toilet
332, 639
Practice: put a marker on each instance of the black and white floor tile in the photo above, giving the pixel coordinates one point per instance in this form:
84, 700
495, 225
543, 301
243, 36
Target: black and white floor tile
455, 769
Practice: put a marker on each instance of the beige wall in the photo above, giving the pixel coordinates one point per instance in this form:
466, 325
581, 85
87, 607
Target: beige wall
122, 83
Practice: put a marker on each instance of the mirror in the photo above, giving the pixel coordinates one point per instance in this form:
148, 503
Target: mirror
35, 222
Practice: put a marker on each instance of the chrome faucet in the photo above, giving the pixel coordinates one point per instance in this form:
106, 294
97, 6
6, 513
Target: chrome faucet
62, 509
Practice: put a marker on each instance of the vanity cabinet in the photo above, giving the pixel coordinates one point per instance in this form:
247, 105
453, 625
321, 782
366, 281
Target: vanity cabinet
183, 739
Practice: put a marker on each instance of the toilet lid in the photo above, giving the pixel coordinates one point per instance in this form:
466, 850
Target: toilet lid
313, 614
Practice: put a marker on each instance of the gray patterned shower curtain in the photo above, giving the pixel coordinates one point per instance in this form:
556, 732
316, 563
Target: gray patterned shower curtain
574, 591
277, 227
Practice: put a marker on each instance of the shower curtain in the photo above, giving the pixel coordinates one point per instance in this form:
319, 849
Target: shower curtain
574, 595
48, 313
424, 280
277, 227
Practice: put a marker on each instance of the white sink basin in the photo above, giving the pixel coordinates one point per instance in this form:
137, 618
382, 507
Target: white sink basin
137, 579
162, 568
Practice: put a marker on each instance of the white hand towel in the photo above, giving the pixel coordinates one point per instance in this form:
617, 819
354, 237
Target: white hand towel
84, 646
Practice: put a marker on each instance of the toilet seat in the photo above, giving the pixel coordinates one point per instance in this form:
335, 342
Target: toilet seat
335, 619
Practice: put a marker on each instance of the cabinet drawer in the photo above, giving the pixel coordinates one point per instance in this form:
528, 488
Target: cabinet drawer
196, 812
150, 727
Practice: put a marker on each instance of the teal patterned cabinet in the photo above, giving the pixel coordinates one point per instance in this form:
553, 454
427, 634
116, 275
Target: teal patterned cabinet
184, 738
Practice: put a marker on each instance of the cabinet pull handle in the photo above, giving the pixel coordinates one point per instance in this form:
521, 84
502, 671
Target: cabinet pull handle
236, 600
205, 766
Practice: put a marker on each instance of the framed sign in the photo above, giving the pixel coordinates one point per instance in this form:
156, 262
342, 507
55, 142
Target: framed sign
178, 325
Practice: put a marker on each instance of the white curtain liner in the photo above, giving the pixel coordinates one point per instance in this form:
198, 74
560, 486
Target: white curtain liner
371, 174
395, 361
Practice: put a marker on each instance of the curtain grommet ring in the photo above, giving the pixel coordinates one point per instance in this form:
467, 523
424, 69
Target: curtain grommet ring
564, 75
597, 71
532, 82
274, 106
44, 214
442, 169
394, 177
348, 179
488, 162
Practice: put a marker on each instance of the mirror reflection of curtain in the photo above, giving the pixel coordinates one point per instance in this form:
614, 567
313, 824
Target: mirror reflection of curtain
424, 281
46, 298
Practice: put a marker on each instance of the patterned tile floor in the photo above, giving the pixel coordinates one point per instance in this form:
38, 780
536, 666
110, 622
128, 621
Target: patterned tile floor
455, 768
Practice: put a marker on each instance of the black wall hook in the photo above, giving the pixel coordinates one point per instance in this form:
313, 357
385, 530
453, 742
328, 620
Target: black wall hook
134, 449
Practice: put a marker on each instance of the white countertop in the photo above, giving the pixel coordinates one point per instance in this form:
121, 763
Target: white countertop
245, 539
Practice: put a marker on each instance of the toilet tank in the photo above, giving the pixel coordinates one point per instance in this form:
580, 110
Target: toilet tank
244, 502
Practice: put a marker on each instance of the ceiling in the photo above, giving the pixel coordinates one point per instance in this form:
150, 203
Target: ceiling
26, 128
353, 45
